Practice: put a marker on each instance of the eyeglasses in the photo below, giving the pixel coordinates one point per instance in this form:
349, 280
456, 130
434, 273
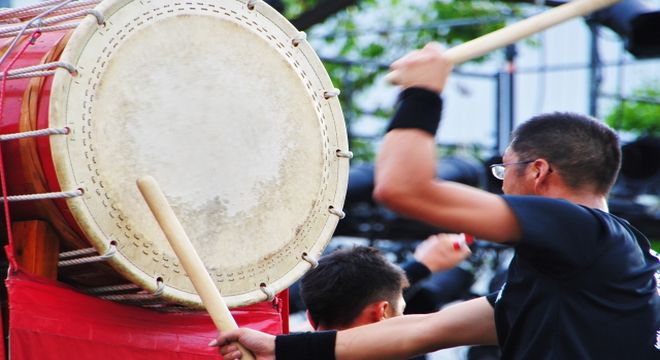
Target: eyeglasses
498, 169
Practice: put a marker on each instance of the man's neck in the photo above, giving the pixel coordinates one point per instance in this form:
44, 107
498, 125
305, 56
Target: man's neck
599, 203
590, 200
326, 328
355, 323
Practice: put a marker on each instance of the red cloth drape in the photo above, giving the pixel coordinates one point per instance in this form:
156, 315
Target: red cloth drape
50, 321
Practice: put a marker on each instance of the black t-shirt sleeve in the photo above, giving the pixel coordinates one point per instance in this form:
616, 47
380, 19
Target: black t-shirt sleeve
557, 236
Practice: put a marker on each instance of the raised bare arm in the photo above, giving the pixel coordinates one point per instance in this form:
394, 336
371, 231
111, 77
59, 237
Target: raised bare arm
405, 169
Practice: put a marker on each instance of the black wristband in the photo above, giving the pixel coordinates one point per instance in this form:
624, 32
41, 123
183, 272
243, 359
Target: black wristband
418, 109
319, 345
416, 271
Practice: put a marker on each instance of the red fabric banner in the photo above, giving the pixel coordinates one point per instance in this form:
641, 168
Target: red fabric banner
48, 321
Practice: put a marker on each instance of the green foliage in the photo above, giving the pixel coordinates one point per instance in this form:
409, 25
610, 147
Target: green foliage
655, 245
642, 118
373, 33
363, 150
293, 8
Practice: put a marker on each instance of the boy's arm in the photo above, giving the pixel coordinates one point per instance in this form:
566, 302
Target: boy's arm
468, 323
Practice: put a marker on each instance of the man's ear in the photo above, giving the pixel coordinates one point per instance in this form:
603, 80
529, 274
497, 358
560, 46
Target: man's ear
541, 170
383, 309
374, 312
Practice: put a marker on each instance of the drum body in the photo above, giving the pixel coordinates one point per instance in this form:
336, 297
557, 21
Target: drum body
224, 104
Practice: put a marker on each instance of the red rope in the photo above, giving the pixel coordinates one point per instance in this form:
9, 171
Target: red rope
9, 249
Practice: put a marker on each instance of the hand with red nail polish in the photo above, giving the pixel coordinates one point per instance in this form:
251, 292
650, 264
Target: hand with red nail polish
443, 251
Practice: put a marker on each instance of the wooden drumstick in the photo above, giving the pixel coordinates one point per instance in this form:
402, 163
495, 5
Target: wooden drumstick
188, 258
520, 30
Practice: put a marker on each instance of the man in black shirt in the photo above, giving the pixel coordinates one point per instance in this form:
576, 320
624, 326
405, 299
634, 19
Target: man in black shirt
581, 284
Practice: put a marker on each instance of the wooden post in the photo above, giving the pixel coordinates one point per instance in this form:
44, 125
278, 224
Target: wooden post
36, 247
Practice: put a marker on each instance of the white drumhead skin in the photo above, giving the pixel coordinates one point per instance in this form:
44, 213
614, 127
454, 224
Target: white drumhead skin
214, 101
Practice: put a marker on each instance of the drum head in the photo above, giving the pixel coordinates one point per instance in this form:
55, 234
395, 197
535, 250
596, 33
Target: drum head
228, 114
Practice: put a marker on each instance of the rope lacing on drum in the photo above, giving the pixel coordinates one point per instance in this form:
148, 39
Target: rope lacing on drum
36, 20
331, 93
296, 40
42, 29
34, 133
13, 264
311, 260
111, 289
170, 308
42, 4
36, 9
21, 10
344, 154
270, 294
45, 196
100, 19
334, 211
74, 253
38, 70
42, 196
112, 250
139, 296
43, 23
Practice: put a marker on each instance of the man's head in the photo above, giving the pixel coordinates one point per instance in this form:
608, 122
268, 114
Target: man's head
352, 287
581, 150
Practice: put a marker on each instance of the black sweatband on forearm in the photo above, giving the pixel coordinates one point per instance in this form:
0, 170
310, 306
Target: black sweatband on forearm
416, 271
418, 109
319, 345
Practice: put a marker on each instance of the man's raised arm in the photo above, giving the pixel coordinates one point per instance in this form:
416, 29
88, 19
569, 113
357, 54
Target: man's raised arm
405, 168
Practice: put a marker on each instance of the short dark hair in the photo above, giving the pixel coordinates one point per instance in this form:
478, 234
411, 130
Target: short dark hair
584, 151
346, 281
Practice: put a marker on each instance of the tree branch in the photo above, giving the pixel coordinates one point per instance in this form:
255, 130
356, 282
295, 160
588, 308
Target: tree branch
320, 13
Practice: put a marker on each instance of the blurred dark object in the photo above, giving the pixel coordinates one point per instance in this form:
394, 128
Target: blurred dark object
484, 352
438, 290
296, 304
366, 219
637, 22
488, 265
277, 5
641, 158
636, 193
319, 12
493, 184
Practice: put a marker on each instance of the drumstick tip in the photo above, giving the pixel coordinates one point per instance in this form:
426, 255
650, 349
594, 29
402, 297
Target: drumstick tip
145, 180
